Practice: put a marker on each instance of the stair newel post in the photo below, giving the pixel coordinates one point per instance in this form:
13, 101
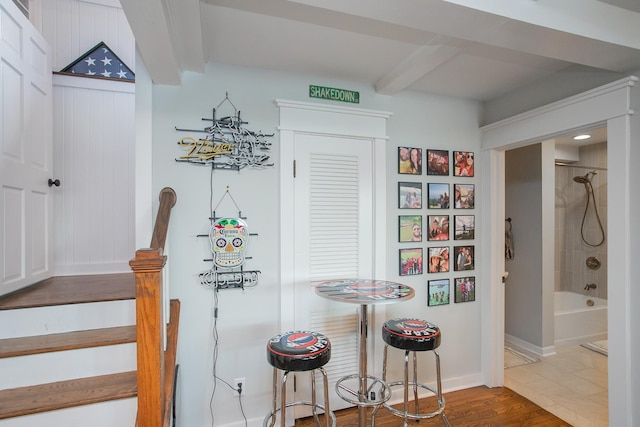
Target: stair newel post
147, 266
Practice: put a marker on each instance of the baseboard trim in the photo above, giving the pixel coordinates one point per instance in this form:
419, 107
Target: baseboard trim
531, 348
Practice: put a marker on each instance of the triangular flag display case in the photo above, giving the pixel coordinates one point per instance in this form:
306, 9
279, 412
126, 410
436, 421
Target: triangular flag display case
100, 62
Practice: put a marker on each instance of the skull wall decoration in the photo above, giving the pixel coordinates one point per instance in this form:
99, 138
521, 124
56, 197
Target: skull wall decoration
229, 237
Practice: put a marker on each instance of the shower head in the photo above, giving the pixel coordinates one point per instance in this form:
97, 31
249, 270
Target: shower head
585, 178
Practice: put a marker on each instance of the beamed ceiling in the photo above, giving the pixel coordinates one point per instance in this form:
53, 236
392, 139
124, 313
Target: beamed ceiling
473, 49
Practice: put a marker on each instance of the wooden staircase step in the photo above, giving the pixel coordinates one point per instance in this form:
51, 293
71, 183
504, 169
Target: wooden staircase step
66, 394
12, 347
72, 290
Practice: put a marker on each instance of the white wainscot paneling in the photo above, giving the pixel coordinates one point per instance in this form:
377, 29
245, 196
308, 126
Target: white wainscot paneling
73, 27
94, 160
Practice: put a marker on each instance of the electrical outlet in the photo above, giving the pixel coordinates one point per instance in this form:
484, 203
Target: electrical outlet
236, 385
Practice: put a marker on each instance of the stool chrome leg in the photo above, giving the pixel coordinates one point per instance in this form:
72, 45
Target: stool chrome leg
283, 399
405, 405
275, 395
314, 408
327, 410
439, 389
384, 363
416, 403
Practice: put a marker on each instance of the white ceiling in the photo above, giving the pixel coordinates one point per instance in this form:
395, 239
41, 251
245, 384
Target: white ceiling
597, 135
472, 49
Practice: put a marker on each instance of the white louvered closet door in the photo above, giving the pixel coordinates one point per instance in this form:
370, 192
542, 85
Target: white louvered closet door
333, 239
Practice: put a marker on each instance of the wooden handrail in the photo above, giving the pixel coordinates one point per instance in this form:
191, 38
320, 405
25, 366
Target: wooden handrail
150, 328
167, 201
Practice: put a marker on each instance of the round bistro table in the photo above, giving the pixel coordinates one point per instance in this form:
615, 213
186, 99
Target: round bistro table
364, 292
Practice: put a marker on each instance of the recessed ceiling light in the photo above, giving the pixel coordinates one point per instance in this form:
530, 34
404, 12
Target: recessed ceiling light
579, 137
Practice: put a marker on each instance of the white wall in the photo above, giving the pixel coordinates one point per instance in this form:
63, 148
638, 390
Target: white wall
248, 318
523, 204
567, 82
447, 124
529, 202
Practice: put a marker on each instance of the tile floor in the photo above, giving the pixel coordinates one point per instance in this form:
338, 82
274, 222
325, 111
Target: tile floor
572, 384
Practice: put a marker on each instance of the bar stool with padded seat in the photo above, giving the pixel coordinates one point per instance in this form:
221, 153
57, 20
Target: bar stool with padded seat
412, 335
298, 351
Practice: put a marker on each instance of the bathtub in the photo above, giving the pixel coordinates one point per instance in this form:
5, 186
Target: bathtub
575, 322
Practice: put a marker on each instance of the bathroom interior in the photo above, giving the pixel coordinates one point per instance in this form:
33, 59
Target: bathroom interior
556, 290
580, 275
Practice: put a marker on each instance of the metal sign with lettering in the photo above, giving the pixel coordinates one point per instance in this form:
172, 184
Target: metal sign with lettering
334, 94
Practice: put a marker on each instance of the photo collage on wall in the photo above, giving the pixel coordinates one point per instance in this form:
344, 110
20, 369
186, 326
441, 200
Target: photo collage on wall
426, 183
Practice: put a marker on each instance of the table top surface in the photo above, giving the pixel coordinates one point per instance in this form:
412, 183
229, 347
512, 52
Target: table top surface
364, 291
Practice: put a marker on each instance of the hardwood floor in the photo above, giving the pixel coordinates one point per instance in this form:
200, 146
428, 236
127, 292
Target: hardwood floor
477, 406
72, 290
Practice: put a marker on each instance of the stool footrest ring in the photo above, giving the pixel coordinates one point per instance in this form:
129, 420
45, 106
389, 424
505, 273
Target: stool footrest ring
377, 388
409, 415
272, 414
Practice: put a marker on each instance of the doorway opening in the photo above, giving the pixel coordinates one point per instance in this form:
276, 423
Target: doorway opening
609, 105
542, 332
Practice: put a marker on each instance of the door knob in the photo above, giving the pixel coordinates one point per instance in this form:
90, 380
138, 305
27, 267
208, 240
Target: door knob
52, 182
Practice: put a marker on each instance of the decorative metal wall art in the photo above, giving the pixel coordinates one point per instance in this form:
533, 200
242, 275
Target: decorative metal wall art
228, 144
229, 238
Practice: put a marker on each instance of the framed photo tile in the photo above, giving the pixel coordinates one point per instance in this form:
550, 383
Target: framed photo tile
410, 228
439, 291
463, 163
438, 259
410, 195
463, 196
465, 227
410, 261
465, 289
437, 162
464, 258
410, 160
438, 227
439, 195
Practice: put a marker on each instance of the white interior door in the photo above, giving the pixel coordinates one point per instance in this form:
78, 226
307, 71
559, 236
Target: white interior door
26, 204
333, 239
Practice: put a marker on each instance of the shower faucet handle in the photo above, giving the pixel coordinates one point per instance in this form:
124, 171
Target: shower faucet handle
593, 263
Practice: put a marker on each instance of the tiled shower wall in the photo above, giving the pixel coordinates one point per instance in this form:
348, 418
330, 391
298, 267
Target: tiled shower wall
571, 271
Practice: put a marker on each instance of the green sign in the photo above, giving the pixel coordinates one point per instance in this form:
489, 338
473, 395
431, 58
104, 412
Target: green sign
334, 94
